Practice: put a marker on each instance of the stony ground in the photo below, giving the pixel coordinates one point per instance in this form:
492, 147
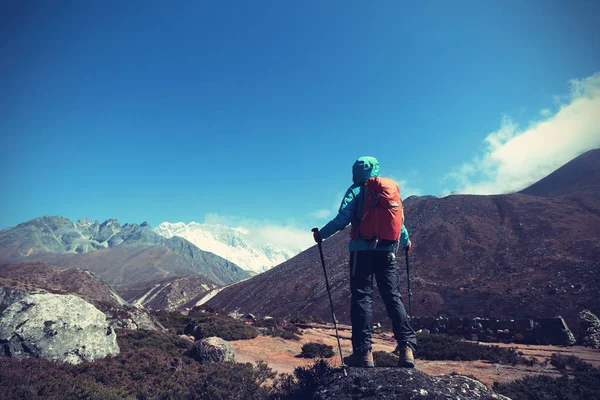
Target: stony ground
281, 355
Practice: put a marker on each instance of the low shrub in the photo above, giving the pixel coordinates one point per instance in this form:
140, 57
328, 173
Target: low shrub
136, 340
444, 347
580, 380
224, 327
174, 321
36, 378
279, 328
205, 308
201, 323
306, 319
303, 384
144, 373
314, 350
566, 364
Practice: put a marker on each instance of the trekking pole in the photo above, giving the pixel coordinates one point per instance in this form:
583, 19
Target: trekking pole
408, 282
331, 303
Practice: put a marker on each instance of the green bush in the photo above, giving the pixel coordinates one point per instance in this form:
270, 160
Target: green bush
303, 384
279, 328
314, 350
444, 347
135, 340
228, 329
306, 319
579, 380
201, 323
174, 321
566, 364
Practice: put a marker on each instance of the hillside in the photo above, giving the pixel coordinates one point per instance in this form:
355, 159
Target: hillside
170, 293
577, 176
34, 276
491, 256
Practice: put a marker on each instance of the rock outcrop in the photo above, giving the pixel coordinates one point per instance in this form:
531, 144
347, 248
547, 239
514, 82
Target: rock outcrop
589, 329
9, 296
61, 328
401, 383
128, 317
211, 350
171, 293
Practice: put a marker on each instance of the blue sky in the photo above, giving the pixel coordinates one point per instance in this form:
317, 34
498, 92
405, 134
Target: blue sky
252, 113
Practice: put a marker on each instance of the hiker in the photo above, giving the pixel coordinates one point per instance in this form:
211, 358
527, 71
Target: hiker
371, 256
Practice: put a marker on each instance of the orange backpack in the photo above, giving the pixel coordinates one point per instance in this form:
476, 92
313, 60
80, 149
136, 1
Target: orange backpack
382, 215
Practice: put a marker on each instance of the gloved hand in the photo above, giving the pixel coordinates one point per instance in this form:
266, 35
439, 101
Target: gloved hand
316, 235
407, 248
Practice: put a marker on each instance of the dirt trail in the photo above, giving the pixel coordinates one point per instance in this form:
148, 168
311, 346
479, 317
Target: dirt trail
281, 355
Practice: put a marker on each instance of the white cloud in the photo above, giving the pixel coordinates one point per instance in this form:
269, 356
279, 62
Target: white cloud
282, 235
322, 214
406, 190
326, 214
515, 158
545, 112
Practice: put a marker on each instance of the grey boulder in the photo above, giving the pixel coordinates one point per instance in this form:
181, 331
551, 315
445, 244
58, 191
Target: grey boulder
211, 350
62, 328
589, 329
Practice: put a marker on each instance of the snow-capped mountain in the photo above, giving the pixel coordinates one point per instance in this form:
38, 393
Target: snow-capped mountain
232, 244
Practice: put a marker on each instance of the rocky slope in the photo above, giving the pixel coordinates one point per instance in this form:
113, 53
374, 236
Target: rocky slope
170, 293
229, 243
35, 277
501, 256
119, 255
18, 280
577, 176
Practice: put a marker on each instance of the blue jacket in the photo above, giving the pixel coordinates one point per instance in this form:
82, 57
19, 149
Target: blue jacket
363, 169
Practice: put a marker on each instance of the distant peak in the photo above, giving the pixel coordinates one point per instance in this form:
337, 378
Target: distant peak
582, 174
111, 222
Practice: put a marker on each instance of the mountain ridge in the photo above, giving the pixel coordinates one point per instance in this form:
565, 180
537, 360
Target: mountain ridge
120, 255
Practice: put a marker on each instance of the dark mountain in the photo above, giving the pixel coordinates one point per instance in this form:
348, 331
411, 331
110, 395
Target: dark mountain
120, 255
170, 293
490, 256
578, 176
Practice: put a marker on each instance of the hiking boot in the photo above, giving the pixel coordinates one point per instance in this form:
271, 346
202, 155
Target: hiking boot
360, 360
406, 357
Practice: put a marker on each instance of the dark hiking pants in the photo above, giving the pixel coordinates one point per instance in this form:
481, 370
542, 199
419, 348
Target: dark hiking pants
383, 266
